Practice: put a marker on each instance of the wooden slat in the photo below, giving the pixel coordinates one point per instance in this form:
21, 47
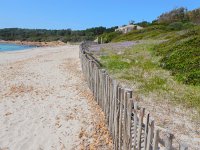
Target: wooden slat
111, 105
155, 139
98, 89
150, 135
120, 118
146, 130
114, 107
117, 118
141, 116
125, 138
135, 124
103, 89
129, 117
106, 98
95, 83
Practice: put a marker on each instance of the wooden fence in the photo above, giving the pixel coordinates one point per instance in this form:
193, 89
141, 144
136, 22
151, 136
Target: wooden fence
128, 124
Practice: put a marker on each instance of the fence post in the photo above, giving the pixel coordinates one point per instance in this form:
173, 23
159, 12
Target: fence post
117, 118
120, 118
146, 131
155, 139
114, 108
168, 141
129, 118
125, 120
98, 85
150, 134
141, 116
135, 124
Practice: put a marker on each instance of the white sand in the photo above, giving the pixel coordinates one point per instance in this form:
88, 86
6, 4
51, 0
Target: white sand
45, 103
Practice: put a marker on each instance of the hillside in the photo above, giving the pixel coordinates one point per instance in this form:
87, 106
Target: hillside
177, 45
179, 49
164, 63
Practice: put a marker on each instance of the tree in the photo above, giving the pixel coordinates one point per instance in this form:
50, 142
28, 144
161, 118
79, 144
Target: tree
194, 16
144, 24
176, 15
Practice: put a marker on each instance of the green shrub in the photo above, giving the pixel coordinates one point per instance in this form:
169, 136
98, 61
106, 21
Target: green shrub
181, 55
175, 26
108, 37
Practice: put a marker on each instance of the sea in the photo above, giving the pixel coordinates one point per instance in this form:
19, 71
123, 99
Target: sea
13, 47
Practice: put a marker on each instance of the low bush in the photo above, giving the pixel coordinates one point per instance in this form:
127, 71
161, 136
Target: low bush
181, 55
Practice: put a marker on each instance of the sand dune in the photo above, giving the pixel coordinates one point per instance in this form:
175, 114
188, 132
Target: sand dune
45, 103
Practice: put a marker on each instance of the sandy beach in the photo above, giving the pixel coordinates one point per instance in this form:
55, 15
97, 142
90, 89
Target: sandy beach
45, 103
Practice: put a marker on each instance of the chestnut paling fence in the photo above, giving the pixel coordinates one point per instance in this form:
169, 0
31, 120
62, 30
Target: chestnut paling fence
128, 124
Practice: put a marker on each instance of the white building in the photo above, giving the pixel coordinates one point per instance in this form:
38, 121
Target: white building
128, 28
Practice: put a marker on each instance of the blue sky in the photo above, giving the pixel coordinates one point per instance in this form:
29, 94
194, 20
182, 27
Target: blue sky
82, 14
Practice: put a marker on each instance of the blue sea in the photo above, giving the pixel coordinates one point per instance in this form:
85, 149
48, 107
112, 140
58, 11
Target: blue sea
13, 47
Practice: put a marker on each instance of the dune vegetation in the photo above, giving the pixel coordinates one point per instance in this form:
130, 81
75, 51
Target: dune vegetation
165, 63
177, 43
139, 68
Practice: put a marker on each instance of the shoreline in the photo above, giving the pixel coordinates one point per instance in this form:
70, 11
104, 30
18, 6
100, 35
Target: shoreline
37, 44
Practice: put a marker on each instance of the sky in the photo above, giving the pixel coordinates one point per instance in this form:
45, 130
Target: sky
82, 14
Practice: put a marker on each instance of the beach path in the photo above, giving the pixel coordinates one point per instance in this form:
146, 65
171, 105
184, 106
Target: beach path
45, 104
